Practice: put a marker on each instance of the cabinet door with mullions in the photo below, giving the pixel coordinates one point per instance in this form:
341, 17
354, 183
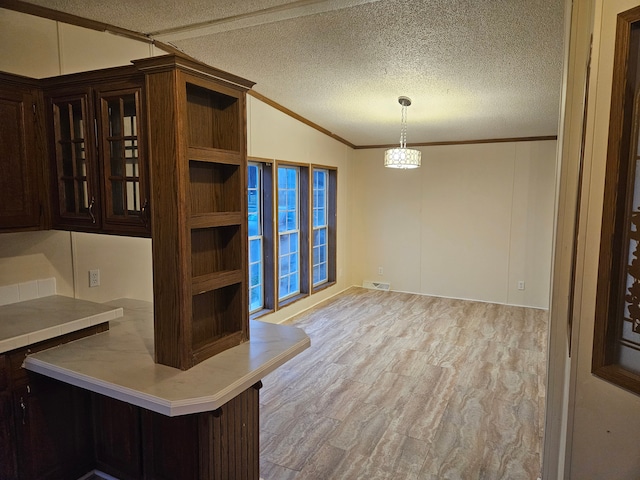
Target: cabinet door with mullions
75, 166
123, 176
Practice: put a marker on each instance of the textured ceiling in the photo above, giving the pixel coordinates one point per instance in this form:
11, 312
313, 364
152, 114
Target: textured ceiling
474, 69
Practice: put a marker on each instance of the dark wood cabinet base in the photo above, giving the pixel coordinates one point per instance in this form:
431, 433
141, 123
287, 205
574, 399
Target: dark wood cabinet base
134, 443
51, 430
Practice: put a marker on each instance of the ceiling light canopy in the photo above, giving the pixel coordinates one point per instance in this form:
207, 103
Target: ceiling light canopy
403, 157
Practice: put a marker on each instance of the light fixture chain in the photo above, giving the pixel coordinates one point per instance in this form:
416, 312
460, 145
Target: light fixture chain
403, 128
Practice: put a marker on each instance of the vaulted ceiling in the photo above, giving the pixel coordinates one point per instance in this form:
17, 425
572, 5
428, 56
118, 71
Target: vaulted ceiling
474, 69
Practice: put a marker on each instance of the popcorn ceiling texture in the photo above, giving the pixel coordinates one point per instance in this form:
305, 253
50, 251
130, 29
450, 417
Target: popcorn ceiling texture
474, 69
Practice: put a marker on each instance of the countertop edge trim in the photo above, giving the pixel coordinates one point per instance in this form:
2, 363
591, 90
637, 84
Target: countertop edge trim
125, 394
194, 405
156, 404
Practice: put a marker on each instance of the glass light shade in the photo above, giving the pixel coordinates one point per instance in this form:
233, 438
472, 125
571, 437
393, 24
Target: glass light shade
402, 158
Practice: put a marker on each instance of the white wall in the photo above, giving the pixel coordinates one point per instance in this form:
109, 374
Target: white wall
604, 423
37, 255
470, 223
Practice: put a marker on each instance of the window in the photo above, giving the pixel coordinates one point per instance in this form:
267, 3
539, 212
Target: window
292, 214
256, 249
320, 226
324, 184
288, 232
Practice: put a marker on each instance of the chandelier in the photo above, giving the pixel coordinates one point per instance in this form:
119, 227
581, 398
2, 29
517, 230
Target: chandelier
402, 157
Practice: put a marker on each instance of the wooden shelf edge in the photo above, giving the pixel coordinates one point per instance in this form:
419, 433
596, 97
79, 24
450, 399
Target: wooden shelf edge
217, 346
214, 155
218, 219
214, 281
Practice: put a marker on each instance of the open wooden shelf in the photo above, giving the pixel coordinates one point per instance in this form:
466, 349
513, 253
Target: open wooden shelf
217, 314
213, 118
216, 249
215, 187
199, 224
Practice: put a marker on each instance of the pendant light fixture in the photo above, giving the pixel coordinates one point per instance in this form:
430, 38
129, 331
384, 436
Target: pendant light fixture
402, 157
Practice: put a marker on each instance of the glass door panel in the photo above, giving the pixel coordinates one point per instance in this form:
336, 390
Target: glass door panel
123, 177
75, 191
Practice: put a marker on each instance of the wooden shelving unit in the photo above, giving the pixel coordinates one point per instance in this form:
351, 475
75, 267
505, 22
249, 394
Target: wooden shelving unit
197, 138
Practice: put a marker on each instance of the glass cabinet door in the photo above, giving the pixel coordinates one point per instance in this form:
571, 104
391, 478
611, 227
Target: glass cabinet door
74, 155
123, 175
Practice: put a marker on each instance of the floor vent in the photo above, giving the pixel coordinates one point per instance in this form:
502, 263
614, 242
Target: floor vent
376, 285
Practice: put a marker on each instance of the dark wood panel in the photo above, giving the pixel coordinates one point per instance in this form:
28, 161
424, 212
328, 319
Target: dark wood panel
19, 182
8, 460
217, 219
53, 430
117, 437
238, 424
171, 448
171, 272
213, 281
214, 155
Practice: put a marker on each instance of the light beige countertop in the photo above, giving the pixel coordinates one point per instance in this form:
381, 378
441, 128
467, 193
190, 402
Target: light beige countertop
119, 364
32, 321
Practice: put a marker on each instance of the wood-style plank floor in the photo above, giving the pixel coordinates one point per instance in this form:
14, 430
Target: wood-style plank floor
401, 386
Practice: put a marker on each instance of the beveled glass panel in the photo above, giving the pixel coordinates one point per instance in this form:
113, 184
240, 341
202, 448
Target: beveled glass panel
133, 196
81, 163
115, 152
115, 117
77, 120
117, 202
69, 195
66, 154
83, 194
131, 158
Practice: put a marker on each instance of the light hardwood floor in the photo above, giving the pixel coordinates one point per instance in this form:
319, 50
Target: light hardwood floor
401, 386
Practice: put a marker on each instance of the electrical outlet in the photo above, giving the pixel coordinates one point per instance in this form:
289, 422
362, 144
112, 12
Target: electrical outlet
380, 271
94, 278
521, 285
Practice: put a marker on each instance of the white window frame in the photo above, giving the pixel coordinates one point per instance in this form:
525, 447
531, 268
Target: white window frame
259, 237
288, 233
324, 226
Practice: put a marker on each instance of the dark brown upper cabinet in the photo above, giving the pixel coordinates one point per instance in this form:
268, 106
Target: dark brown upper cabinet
98, 162
22, 195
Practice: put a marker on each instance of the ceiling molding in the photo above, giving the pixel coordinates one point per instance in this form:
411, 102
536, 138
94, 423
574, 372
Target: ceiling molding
277, 13
44, 12
465, 142
300, 118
